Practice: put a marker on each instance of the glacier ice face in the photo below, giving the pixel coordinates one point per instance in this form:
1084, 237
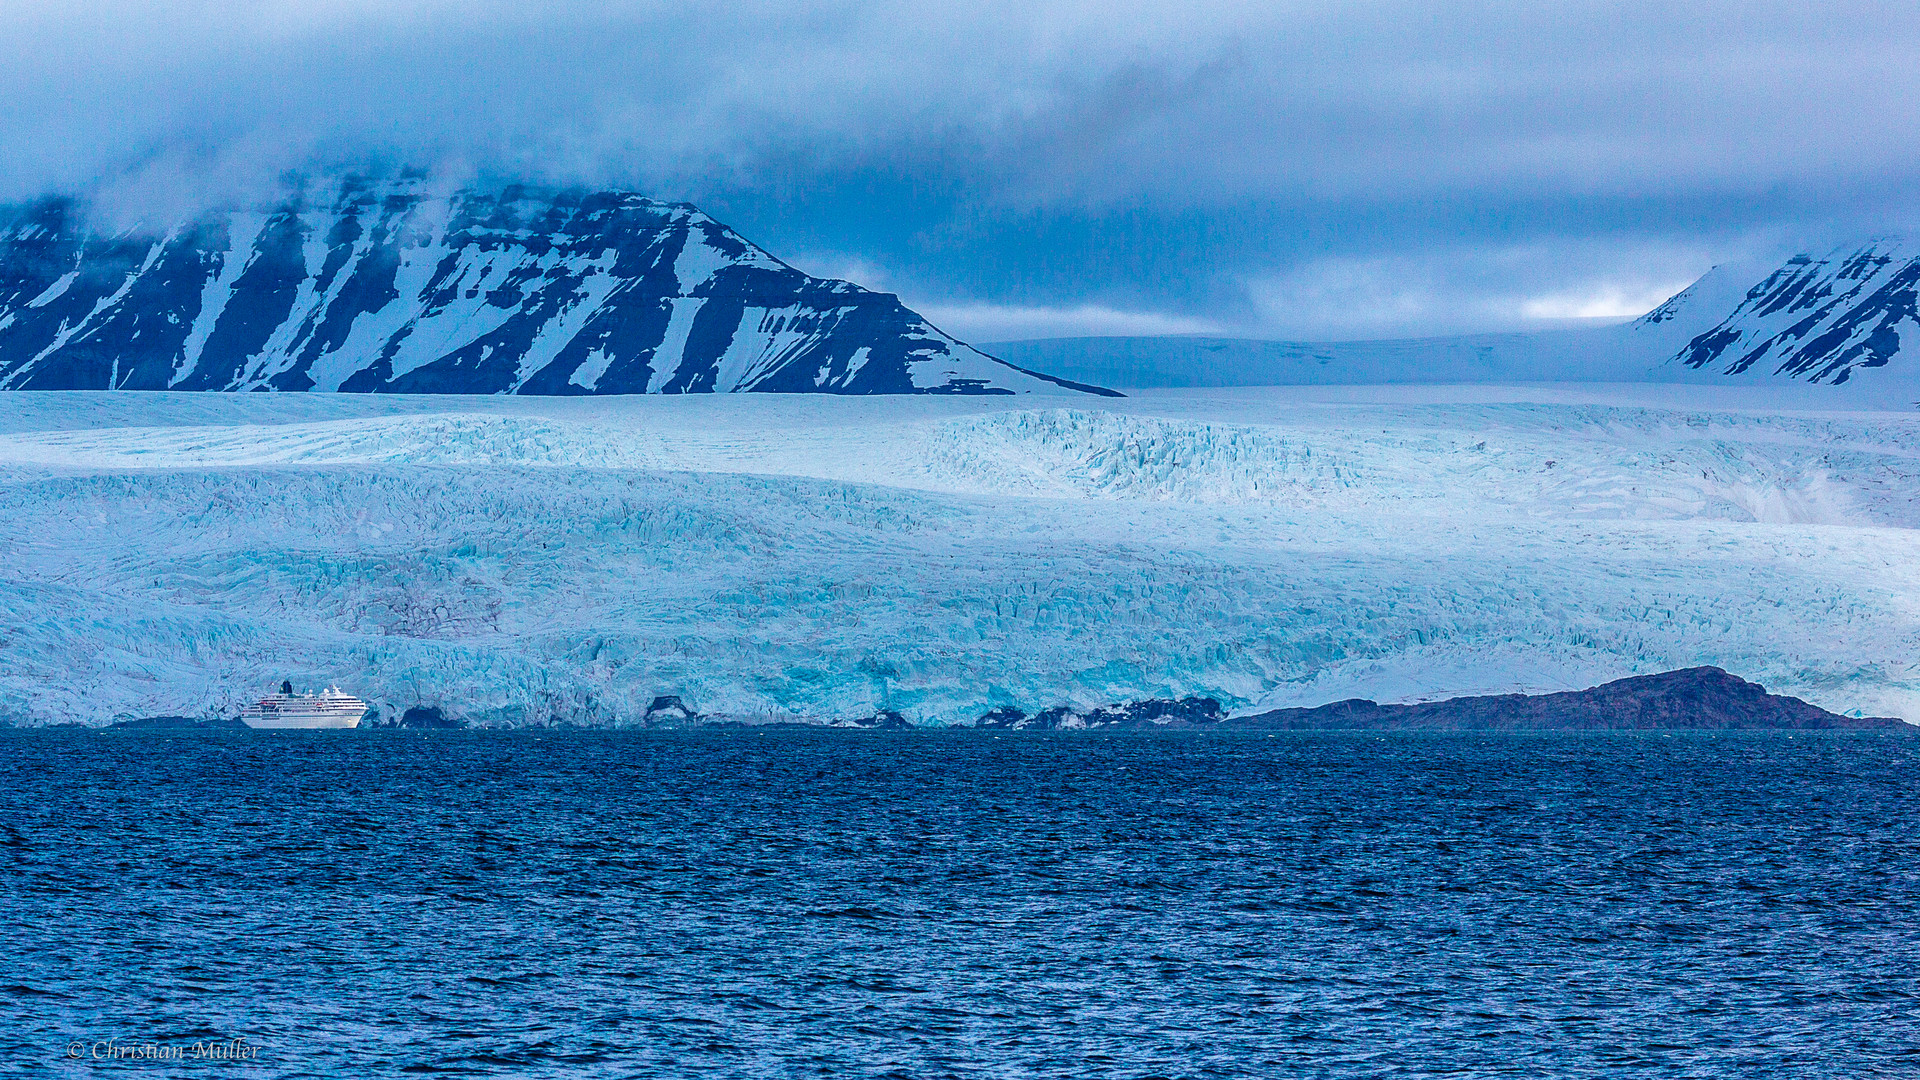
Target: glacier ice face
518, 560
387, 286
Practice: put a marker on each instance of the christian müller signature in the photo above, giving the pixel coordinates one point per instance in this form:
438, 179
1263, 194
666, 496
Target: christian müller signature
113, 1049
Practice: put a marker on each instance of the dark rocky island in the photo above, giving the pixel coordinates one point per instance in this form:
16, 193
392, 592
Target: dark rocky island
1700, 698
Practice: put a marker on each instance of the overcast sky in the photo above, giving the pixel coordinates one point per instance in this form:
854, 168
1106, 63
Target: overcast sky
1039, 167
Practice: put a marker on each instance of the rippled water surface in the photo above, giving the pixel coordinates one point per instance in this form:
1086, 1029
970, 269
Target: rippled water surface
955, 904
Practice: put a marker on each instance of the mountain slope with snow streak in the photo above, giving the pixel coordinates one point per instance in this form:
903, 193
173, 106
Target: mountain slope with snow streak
1824, 319
389, 287
524, 560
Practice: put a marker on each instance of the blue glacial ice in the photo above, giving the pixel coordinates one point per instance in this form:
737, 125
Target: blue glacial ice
527, 560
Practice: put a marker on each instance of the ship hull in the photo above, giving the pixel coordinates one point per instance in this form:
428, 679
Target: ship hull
295, 722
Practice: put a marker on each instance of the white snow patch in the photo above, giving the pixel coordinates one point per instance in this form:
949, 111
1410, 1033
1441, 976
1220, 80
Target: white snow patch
596, 282
698, 261
857, 361
70, 331
54, 291
243, 231
673, 346
587, 375
763, 342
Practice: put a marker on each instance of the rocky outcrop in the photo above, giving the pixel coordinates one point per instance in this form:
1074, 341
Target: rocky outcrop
668, 710
431, 718
882, 720
1188, 712
1693, 698
179, 723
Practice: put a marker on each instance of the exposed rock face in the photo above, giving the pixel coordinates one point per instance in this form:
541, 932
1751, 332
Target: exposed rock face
883, 720
669, 710
1189, 712
1821, 320
389, 287
1693, 698
178, 723
431, 718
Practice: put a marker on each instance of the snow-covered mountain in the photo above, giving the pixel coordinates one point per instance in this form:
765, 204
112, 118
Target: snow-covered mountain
1822, 320
1812, 321
389, 286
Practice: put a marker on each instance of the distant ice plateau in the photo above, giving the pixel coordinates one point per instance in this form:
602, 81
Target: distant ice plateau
1838, 320
522, 560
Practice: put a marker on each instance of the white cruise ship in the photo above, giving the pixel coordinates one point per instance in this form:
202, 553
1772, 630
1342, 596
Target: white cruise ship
332, 708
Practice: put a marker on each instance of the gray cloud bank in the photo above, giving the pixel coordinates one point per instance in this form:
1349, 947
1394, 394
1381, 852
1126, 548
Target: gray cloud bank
1292, 169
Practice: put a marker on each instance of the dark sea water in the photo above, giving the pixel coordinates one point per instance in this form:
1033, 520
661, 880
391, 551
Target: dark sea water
743, 904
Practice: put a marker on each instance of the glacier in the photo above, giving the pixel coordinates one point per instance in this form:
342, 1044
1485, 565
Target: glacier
529, 560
